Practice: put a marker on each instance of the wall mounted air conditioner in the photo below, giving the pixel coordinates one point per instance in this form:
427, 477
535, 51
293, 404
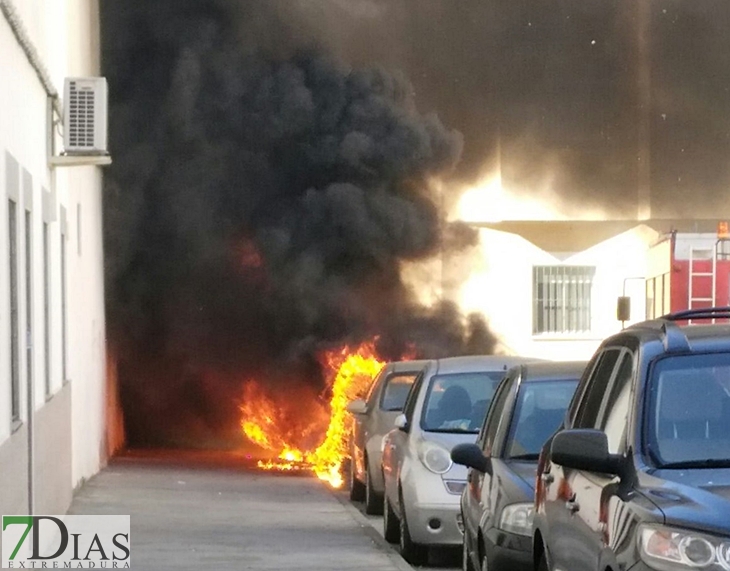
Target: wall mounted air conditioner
85, 116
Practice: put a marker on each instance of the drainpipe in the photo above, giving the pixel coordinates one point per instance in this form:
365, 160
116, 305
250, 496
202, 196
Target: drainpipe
30, 398
21, 35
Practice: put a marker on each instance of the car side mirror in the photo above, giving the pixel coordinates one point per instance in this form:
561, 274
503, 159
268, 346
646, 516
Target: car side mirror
471, 456
401, 422
358, 406
584, 449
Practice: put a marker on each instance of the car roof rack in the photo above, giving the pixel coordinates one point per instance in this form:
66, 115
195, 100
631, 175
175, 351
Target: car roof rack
700, 313
672, 336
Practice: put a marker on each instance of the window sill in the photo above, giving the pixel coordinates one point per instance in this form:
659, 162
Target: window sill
15, 426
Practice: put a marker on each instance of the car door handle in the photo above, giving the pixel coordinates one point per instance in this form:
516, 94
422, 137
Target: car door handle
547, 478
572, 506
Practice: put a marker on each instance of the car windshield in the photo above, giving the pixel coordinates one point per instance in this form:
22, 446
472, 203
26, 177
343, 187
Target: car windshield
396, 391
538, 413
458, 402
689, 411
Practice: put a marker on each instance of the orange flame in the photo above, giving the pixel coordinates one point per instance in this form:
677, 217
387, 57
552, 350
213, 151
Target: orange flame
265, 422
249, 255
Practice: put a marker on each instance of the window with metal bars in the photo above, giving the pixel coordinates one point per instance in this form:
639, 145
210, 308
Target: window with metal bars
562, 299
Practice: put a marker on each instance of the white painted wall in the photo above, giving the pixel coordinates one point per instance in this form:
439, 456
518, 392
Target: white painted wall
65, 35
501, 288
22, 134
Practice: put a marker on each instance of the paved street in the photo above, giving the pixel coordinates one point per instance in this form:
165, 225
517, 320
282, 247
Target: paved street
439, 560
198, 511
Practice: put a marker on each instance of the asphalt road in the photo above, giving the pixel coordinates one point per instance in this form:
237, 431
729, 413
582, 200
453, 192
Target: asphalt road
439, 559
217, 511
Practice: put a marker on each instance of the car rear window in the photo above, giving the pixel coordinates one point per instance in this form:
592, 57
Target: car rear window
396, 391
459, 402
539, 410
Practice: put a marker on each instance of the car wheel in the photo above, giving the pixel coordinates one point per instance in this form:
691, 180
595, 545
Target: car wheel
373, 501
357, 489
466, 562
413, 553
391, 527
542, 564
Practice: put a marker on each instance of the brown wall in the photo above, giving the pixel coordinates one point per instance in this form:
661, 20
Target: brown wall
14, 474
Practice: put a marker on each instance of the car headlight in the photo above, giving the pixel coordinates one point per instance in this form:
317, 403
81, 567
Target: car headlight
434, 457
671, 549
517, 518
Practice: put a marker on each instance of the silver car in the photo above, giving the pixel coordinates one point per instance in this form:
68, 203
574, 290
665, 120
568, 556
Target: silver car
373, 418
446, 406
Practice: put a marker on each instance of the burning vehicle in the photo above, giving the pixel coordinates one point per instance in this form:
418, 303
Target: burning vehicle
258, 215
373, 418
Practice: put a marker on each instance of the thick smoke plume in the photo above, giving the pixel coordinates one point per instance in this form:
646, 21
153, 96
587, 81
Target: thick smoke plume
258, 211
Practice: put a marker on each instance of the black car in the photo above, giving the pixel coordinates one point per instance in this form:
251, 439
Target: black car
497, 504
639, 476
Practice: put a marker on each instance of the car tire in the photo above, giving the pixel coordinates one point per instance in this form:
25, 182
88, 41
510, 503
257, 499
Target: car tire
357, 488
373, 500
542, 564
414, 553
391, 527
466, 562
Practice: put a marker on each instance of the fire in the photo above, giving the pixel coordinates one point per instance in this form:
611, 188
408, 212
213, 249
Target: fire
267, 422
249, 255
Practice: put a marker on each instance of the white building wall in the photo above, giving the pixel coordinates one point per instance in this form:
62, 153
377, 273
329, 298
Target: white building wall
64, 33
87, 366
87, 328
501, 287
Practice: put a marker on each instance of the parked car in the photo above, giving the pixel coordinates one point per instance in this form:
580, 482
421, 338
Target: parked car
498, 501
373, 418
446, 406
639, 477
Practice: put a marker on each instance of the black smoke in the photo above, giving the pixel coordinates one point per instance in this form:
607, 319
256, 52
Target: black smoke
260, 207
595, 105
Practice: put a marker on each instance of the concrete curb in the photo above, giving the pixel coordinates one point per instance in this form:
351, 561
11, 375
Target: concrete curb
378, 539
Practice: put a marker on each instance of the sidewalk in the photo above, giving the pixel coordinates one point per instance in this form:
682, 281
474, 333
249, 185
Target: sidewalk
199, 511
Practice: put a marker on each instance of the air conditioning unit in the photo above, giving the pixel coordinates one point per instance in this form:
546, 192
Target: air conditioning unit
85, 116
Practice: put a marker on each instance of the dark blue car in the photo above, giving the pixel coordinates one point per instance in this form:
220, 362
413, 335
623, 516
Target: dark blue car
497, 504
639, 477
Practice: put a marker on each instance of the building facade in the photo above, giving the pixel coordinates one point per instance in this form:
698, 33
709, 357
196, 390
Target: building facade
550, 288
52, 331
